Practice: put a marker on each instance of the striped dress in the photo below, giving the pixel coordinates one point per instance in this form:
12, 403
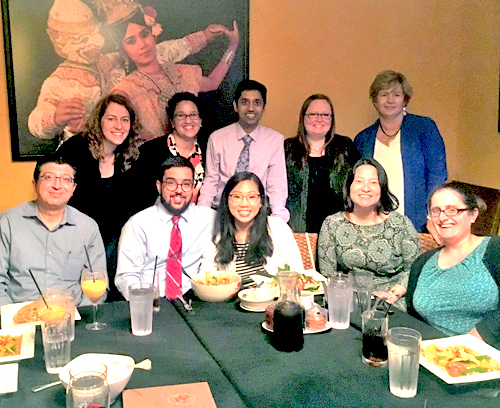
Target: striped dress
242, 268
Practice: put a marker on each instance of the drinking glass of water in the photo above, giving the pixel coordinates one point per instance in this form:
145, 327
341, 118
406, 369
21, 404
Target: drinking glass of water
88, 389
404, 351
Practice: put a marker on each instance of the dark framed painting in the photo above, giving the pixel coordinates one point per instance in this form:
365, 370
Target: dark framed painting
31, 57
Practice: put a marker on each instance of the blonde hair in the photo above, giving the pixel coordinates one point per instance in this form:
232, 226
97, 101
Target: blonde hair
389, 78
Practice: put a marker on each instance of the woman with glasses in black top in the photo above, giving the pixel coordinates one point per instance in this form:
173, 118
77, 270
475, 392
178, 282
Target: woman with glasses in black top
317, 161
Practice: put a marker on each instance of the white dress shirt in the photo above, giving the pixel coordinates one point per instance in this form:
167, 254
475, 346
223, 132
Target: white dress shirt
146, 236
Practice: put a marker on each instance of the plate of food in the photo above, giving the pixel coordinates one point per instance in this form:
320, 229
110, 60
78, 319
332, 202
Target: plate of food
309, 281
17, 343
460, 359
22, 313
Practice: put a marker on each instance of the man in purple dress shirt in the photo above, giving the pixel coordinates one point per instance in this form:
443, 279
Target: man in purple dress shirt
264, 153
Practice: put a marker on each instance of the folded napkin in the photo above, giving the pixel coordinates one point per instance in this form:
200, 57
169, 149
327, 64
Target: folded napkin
8, 378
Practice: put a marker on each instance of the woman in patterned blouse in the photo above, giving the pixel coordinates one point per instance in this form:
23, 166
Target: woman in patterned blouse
370, 235
185, 116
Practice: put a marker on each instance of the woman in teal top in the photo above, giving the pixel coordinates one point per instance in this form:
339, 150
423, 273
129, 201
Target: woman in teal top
456, 288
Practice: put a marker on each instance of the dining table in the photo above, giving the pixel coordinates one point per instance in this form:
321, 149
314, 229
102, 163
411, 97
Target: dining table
176, 354
226, 346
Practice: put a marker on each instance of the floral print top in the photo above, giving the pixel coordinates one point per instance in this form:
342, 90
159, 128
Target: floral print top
387, 249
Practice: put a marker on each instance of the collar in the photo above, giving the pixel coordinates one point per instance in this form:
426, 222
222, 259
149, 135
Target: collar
172, 146
240, 133
31, 211
166, 217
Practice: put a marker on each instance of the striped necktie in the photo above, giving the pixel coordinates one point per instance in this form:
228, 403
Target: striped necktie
174, 273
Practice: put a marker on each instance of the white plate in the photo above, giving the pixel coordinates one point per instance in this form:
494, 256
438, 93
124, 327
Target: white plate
308, 272
8, 312
251, 310
464, 340
306, 331
28, 342
8, 378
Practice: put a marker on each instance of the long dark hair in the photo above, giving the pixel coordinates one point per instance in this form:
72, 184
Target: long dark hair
388, 201
260, 245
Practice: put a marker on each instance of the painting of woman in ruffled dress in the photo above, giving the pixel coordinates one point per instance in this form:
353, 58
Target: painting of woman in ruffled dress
154, 82
70, 93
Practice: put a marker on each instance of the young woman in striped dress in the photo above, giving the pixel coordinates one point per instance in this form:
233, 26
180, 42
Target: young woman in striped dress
246, 240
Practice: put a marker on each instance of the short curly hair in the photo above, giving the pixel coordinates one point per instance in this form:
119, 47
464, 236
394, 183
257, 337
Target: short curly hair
181, 97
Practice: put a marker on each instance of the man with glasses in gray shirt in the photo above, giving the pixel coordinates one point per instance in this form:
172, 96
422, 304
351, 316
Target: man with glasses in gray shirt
48, 238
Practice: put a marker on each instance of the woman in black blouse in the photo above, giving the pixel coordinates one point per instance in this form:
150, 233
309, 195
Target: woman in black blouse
317, 162
102, 156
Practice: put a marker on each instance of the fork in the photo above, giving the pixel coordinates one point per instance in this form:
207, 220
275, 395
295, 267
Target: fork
186, 305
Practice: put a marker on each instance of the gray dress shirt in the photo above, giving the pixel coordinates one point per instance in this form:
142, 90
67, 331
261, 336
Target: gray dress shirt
56, 257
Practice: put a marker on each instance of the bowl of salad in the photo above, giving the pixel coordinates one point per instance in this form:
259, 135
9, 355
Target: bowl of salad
216, 286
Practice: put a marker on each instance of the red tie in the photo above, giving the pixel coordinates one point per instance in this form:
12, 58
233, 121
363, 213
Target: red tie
174, 273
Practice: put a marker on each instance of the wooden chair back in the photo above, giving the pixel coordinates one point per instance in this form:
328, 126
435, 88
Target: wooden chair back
427, 242
307, 242
488, 221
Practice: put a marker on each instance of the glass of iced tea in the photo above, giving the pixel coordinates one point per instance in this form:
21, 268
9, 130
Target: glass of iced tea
374, 328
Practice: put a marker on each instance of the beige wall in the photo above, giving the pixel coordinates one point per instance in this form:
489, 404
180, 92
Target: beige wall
448, 49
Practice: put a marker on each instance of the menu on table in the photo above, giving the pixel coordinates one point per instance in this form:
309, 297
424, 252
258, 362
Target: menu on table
192, 395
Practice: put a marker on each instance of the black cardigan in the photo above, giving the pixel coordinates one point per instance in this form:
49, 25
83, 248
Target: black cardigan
107, 201
489, 326
298, 176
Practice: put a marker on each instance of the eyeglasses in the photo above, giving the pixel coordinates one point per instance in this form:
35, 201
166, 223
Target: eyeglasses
238, 198
172, 185
435, 212
50, 178
316, 115
183, 116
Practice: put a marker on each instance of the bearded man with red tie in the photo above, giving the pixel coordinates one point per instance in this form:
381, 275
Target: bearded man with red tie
172, 234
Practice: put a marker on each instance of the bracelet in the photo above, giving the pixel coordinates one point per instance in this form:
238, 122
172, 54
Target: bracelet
228, 57
395, 293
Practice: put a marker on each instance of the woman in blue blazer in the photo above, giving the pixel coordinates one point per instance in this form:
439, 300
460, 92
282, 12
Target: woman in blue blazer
409, 147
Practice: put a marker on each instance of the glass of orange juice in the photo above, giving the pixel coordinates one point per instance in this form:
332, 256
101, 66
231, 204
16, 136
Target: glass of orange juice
94, 283
58, 301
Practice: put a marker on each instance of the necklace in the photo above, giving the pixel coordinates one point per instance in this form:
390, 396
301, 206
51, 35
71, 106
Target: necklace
388, 135
316, 151
163, 94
